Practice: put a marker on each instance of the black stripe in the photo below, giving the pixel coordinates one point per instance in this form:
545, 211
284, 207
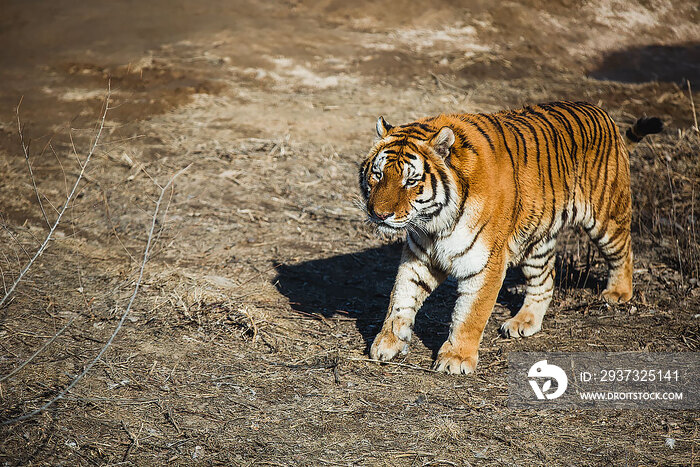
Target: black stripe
564, 122
608, 139
516, 179
363, 180
545, 276
612, 150
481, 131
508, 125
599, 235
524, 120
495, 122
539, 294
430, 214
515, 129
551, 132
463, 141
542, 270
619, 233
615, 257
466, 250
433, 184
610, 249
467, 277
445, 185
553, 217
543, 254
586, 130
420, 283
597, 132
417, 244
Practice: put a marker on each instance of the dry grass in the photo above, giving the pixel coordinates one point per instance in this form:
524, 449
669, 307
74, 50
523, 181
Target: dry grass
666, 206
247, 343
270, 358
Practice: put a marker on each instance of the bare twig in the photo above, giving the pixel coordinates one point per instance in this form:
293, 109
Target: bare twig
83, 166
405, 365
441, 82
58, 159
134, 441
38, 351
111, 224
2, 275
260, 274
13, 236
254, 325
692, 105
25, 149
137, 285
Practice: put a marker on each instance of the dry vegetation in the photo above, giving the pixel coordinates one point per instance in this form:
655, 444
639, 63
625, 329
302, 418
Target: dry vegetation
247, 341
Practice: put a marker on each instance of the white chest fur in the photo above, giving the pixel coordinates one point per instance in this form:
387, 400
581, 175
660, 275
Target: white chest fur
462, 252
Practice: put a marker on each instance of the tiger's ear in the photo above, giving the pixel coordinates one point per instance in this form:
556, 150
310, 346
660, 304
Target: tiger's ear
443, 141
382, 127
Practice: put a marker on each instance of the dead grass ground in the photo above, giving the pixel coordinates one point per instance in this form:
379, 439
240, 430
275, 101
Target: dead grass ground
248, 342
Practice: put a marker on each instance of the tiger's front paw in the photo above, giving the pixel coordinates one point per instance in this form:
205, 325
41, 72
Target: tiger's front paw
391, 340
524, 324
456, 360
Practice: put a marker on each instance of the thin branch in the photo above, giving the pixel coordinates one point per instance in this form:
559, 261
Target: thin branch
29, 231
65, 180
50, 203
38, 351
692, 106
111, 224
4, 285
167, 206
121, 320
7, 260
13, 236
404, 365
25, 148
441, 82
45, 244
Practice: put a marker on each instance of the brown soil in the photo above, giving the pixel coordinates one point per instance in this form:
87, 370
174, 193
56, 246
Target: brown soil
248, 341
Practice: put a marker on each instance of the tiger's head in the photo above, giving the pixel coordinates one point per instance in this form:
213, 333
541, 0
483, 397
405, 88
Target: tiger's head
406, 180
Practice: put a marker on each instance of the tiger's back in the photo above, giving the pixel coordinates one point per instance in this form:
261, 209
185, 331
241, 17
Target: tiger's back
566, 163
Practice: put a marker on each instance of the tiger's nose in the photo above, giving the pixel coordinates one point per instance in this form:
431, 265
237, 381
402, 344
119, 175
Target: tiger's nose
381, 215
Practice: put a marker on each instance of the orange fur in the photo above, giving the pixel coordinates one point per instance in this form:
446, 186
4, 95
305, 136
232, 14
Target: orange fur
477, 193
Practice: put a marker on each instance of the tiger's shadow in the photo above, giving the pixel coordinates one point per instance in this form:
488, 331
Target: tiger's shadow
358, 286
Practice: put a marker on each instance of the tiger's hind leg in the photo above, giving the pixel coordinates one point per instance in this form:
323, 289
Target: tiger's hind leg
615, 244
538, 269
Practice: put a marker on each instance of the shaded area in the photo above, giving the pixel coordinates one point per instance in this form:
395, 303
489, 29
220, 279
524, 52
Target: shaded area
570, 274
356, 284
672, 63
359, 285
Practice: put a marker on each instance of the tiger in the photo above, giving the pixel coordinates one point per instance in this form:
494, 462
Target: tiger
475, 194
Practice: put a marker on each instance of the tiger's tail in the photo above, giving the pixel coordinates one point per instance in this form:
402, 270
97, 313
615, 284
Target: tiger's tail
642, 127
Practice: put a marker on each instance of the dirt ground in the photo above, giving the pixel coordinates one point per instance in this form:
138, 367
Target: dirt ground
247, 343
